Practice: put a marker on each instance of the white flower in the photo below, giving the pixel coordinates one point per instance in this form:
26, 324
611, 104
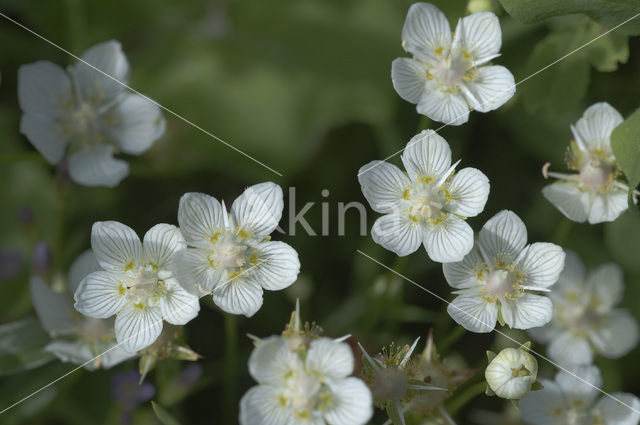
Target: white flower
495, 279
304, 383
87, 114
428, 204
594, 193
76, 339
571, 401
232, 255
135, 283
446, 78
511, 373
585, 319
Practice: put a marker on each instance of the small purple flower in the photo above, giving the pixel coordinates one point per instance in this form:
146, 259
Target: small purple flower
41, 258
10, 264
189, 375
126, 390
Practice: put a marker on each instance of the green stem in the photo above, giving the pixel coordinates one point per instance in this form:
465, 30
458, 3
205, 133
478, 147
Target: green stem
465, 396
561, 233
230, 362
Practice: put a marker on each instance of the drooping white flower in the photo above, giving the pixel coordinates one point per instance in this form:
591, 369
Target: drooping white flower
595, 193
75, 338
87, 114
585, 319
428, 204
135, 283
511, 373
572, 401
448, 76
231, 254
495, 280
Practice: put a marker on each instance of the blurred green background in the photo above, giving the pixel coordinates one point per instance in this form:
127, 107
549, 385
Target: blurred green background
304, 86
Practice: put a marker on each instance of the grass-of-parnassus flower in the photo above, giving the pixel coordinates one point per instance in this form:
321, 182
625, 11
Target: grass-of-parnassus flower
511, 373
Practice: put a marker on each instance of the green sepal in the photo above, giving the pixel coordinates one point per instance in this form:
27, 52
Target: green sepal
489, 391
490, 356
526, 347
145, 365
536, 386
500, 318
515, 403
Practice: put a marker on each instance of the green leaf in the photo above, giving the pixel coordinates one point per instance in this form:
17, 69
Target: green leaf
608, 13
21, 346
606, 52
621, 239
625, 142
163, 415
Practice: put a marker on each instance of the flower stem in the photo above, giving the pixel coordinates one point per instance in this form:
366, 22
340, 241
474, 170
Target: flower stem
465, 396
230, 362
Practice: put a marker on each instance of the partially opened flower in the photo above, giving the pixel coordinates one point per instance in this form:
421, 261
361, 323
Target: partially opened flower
135, 283
426, 205
511, 373
450, 75
498, 280
585, 317
86, 114
231, 254
595, 192
573, 399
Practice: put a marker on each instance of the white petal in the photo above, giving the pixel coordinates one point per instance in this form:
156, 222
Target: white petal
545, 406
469, 190
464, 274
160, 243
408, 77
84, 264
272, 360
572, 278
277, 266
427, 155
616, 335
113, 355
100, 295
480, 35
44, 89
238, 296
261, 405
177, 306
445, 107
615, 412
569, 200
330, 358
473, 313
54, 309
116, 246
135, 123
606, 285
567, 349
580, 384
138, 328
605, 208
259, 209
94, 86
351, 403
200, 217
596, 125
528, 311
46, 135
74, 352
193, 271
541, 263
502, 237
491, 87
96, 166
383, 185
425, 29
449, 240
397, 233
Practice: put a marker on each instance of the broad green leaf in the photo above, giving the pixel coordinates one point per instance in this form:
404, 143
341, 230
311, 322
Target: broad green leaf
606, 52
21, 346
621, 239
163, 415
625, 142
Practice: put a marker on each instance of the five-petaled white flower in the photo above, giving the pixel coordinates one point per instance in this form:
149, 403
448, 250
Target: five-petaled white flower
136, 283
76, 338
511, 373
595, 193
584, 315
88, 112
495, 279
231, 254
446, 78
571, 401
428, 204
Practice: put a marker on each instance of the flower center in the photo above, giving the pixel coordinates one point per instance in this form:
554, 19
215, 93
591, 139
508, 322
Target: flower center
94, 330
498, 282
143, 286
84, 123
455, 68
596, 173
425, 201
230, 254
391, 384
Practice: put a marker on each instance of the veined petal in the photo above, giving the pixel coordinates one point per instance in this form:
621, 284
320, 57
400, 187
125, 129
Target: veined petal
397, 233
427, 155
200, 217
54, 309
96, 166
608, 207
502, 237
383, 185
160, 243
443, 106
238, 296
448, 240
479, 35
473, 313
351, 403
606, 285
44, 90
94, 86
527, 311
135, 123
408, 77
541, 263
464, 274
46, 135
330, 358
262, 405
425, 31
580, 384
272, 360
596, 125
277, 266
469, 191
567, 349
100, 295
116, 246
616, 413
616, 335
569, 200
491, 87
259, 209
177, 306
545, 406
138, 327
192, 269
84, 264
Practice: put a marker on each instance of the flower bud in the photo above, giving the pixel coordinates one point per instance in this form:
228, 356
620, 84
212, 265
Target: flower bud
511, 373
